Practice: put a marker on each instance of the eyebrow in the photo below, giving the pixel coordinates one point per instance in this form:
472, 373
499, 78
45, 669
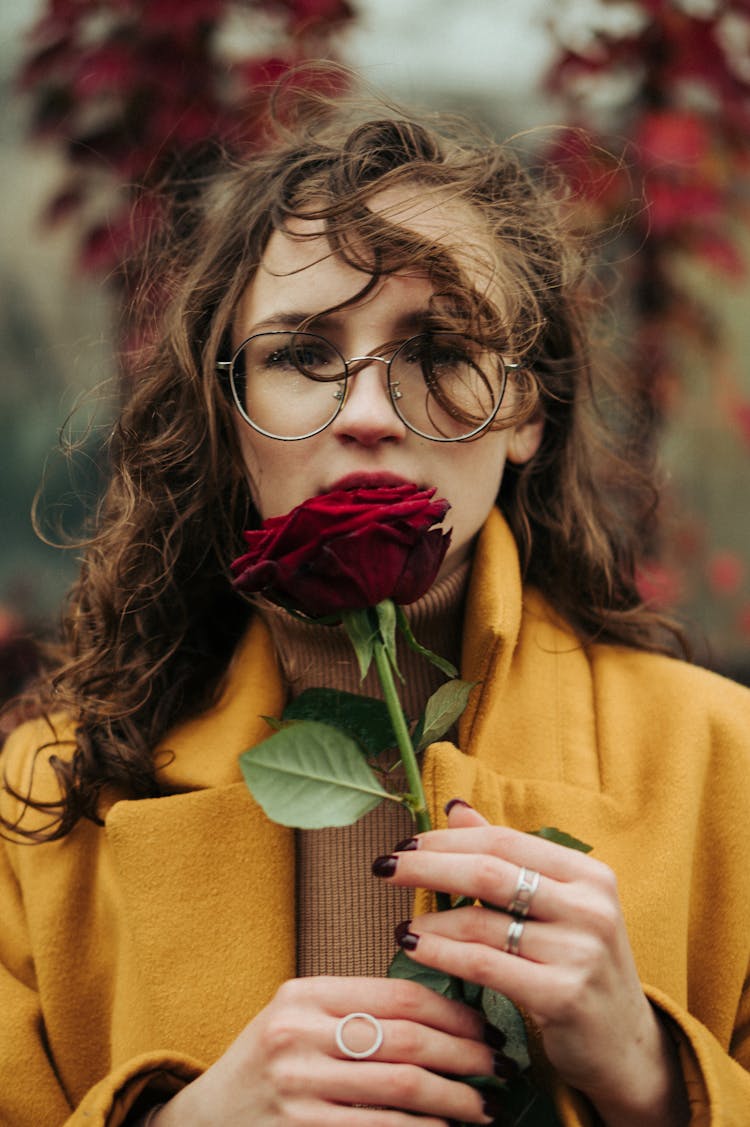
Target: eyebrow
410, 321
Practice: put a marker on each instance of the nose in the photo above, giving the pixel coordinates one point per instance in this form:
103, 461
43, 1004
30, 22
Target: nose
368, 416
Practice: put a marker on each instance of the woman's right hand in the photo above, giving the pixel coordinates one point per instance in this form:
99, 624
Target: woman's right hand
285, 1068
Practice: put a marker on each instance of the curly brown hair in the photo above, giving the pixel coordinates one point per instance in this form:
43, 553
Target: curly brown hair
152, 620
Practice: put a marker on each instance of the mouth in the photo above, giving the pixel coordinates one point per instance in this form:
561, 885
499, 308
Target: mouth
364, 480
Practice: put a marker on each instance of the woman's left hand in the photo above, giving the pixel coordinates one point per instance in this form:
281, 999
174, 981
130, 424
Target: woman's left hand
568, 963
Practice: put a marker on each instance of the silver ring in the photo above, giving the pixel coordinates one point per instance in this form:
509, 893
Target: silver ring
526, 886
513, 938
361, 1054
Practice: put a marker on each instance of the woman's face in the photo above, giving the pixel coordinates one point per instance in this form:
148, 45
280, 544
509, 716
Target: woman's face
297, 279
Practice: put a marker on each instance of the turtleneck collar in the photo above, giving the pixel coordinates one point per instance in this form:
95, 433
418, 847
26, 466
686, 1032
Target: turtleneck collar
311, 655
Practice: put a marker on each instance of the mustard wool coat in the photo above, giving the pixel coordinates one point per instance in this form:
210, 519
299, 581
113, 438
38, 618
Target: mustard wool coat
132, 954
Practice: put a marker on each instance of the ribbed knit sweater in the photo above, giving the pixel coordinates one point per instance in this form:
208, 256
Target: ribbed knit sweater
345, 916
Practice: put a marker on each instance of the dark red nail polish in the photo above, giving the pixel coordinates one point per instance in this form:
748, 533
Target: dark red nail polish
505, 1068
405, 938
455, 802
405, 845
384, 866
495, 1107
494, 1037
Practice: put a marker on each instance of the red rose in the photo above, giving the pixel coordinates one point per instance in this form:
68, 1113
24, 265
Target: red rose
347, 549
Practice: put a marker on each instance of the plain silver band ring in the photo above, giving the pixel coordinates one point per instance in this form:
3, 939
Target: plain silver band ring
513, 938
526, 886
362, 1054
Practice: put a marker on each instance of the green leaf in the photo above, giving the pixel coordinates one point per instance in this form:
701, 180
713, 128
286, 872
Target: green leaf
549, 833
402, 966
362, 635
273, 722
443, 709
311, 775
365, 719
403, 625
502, 1013
386, 613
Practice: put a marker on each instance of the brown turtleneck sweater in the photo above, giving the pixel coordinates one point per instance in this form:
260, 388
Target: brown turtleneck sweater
345, 916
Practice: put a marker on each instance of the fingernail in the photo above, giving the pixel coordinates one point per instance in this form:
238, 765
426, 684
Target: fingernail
493, 1036
494, 1106
384, 866
505, 1068
455, 802
405, 938
405, 845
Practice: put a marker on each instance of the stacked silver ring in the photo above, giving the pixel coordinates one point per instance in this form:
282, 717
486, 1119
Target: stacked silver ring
526, 886
519, 908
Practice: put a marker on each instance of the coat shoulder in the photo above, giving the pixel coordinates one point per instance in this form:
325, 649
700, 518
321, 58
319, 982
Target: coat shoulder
25, 762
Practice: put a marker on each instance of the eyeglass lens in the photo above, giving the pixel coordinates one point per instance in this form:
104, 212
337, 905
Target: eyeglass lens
291, 385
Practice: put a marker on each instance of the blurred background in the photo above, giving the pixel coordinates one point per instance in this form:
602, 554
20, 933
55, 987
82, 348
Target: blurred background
100, 96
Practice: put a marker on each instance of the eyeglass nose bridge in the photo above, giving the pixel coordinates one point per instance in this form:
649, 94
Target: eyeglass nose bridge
392, 388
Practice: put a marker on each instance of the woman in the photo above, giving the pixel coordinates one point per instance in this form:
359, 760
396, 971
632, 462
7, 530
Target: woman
172, 957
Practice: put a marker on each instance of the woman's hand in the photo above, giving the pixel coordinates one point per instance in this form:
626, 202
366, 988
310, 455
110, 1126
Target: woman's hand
568, 964
285, 1068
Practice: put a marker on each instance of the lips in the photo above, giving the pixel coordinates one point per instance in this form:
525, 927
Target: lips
365, 480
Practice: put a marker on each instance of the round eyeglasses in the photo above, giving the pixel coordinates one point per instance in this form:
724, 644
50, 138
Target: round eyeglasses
291, 385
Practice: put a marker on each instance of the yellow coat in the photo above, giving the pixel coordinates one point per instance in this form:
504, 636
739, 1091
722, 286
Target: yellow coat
133, 954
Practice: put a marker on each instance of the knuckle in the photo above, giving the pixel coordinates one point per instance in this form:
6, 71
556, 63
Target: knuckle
605, 878
602, 919
408, 1040
281, 1035
405, 1086
405, 995
487, 877
283, 1077
564, 1003
289, 992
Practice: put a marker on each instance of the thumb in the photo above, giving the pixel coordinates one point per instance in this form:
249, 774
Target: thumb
461, 815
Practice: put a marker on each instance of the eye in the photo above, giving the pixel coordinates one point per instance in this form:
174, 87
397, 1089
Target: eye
437, 355
294, 353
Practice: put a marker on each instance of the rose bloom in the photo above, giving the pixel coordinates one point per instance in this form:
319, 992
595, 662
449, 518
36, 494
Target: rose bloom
347, 549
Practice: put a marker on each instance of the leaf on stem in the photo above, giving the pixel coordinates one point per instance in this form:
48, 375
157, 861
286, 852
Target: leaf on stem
365, 719
401, 966
362, 635
403, 625
442, 710
386, 612
311, 775
559, 837
502, 1013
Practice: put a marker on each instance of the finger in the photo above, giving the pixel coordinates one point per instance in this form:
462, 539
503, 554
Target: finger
557, 861
529, 983
479, 876
461, 814
336, 1116
383, 998
406, 1087
548, 943
408, 1042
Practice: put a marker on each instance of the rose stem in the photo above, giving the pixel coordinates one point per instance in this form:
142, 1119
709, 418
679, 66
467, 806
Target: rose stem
406, 750
403, 739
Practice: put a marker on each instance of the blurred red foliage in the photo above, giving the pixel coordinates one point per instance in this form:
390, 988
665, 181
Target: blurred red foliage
139, 92
657, 93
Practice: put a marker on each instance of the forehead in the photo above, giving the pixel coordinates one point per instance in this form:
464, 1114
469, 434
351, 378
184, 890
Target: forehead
298, 259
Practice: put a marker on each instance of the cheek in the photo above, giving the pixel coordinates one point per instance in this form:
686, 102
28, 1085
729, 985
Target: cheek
473, 486
278, 473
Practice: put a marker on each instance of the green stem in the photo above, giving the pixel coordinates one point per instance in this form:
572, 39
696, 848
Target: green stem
403, 739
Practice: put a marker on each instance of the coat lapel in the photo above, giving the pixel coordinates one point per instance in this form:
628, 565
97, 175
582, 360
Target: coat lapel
204, 881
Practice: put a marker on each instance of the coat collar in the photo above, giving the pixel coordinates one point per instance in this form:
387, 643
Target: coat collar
204, 751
